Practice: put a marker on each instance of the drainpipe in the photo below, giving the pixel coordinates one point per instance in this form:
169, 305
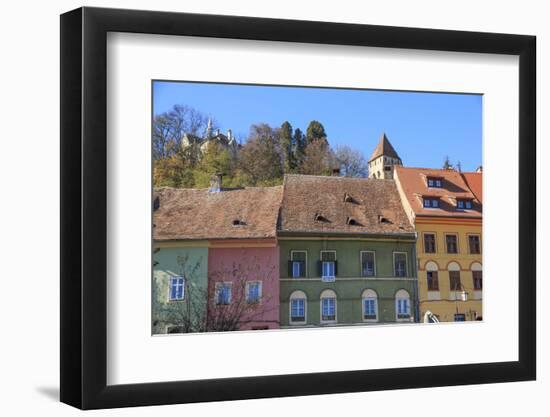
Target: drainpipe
415, 284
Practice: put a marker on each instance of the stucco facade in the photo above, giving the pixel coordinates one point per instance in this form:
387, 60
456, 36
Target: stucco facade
349, 285
186, 260
444, 302
449, 246
241, 264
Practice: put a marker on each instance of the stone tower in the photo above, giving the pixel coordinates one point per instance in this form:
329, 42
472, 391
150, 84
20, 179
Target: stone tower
383, 159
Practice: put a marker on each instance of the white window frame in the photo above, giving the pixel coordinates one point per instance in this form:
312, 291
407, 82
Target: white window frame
292, 260
217, 289
375, 299
323, 277
325, 295
397, 299
301, 296
247, 289
172, 277
406, 265
361, 262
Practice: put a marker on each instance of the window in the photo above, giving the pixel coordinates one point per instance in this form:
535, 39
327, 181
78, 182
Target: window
177, 291
433, 281
478, 280
452, 243
370, 305
298, 307
253, 292
367, 264
174, 329
297, 264
328, 265
400, 264
454, 279
223, 293
431, 202
460, 317
429, 243
475, 246
328, 306
434, 182
403, 305
463, 204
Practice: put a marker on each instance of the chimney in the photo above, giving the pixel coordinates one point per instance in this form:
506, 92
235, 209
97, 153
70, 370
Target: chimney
229, 134
216, 183
335, 172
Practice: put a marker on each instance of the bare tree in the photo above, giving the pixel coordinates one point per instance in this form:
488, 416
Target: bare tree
318, 159
201, 309
189, 314
241, 309
351, 161
169, 128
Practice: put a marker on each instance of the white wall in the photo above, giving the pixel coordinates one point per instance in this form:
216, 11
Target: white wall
29, 214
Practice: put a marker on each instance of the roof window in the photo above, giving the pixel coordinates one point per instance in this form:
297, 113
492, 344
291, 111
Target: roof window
320, 218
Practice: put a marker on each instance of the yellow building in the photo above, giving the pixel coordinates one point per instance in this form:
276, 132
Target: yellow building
445, 208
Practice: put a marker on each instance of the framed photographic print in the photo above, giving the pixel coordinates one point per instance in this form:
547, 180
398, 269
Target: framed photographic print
257, 208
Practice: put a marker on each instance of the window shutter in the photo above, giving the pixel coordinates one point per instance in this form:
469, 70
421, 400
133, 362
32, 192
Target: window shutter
290, 269
335, 268
320, 268
302, 269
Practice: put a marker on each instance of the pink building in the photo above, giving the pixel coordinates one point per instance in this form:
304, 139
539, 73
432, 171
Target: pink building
243, 279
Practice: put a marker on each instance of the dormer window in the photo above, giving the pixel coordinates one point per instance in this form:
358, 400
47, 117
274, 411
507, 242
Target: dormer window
384, 220
239, 222
434, 182
352, 222
431, 202
348, 198
320, 218
462, 204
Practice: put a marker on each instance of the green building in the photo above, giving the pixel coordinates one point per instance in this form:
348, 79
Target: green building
347, 253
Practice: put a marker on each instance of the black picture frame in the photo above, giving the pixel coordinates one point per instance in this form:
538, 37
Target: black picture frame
84, 207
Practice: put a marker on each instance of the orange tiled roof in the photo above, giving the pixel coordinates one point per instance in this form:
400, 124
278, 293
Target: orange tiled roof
474, 180
413, 182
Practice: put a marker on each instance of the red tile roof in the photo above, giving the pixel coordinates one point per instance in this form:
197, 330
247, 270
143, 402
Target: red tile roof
199, 214
339, 201
413, 183
474, 180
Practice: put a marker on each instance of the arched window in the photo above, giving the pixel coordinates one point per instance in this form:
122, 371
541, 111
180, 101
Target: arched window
432, 276
328, 306
298, 307
402, 305
369, 300
477, 276
454, 276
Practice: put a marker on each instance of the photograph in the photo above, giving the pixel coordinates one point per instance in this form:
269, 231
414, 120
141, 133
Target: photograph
283, 207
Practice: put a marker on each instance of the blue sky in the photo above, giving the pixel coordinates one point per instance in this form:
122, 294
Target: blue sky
422, 127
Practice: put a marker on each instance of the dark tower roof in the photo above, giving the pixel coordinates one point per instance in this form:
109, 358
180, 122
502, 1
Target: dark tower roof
384, 148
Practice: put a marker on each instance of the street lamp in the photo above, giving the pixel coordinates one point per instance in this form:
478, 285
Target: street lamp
463, 294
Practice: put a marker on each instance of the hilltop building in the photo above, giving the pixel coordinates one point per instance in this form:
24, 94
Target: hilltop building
211, 136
